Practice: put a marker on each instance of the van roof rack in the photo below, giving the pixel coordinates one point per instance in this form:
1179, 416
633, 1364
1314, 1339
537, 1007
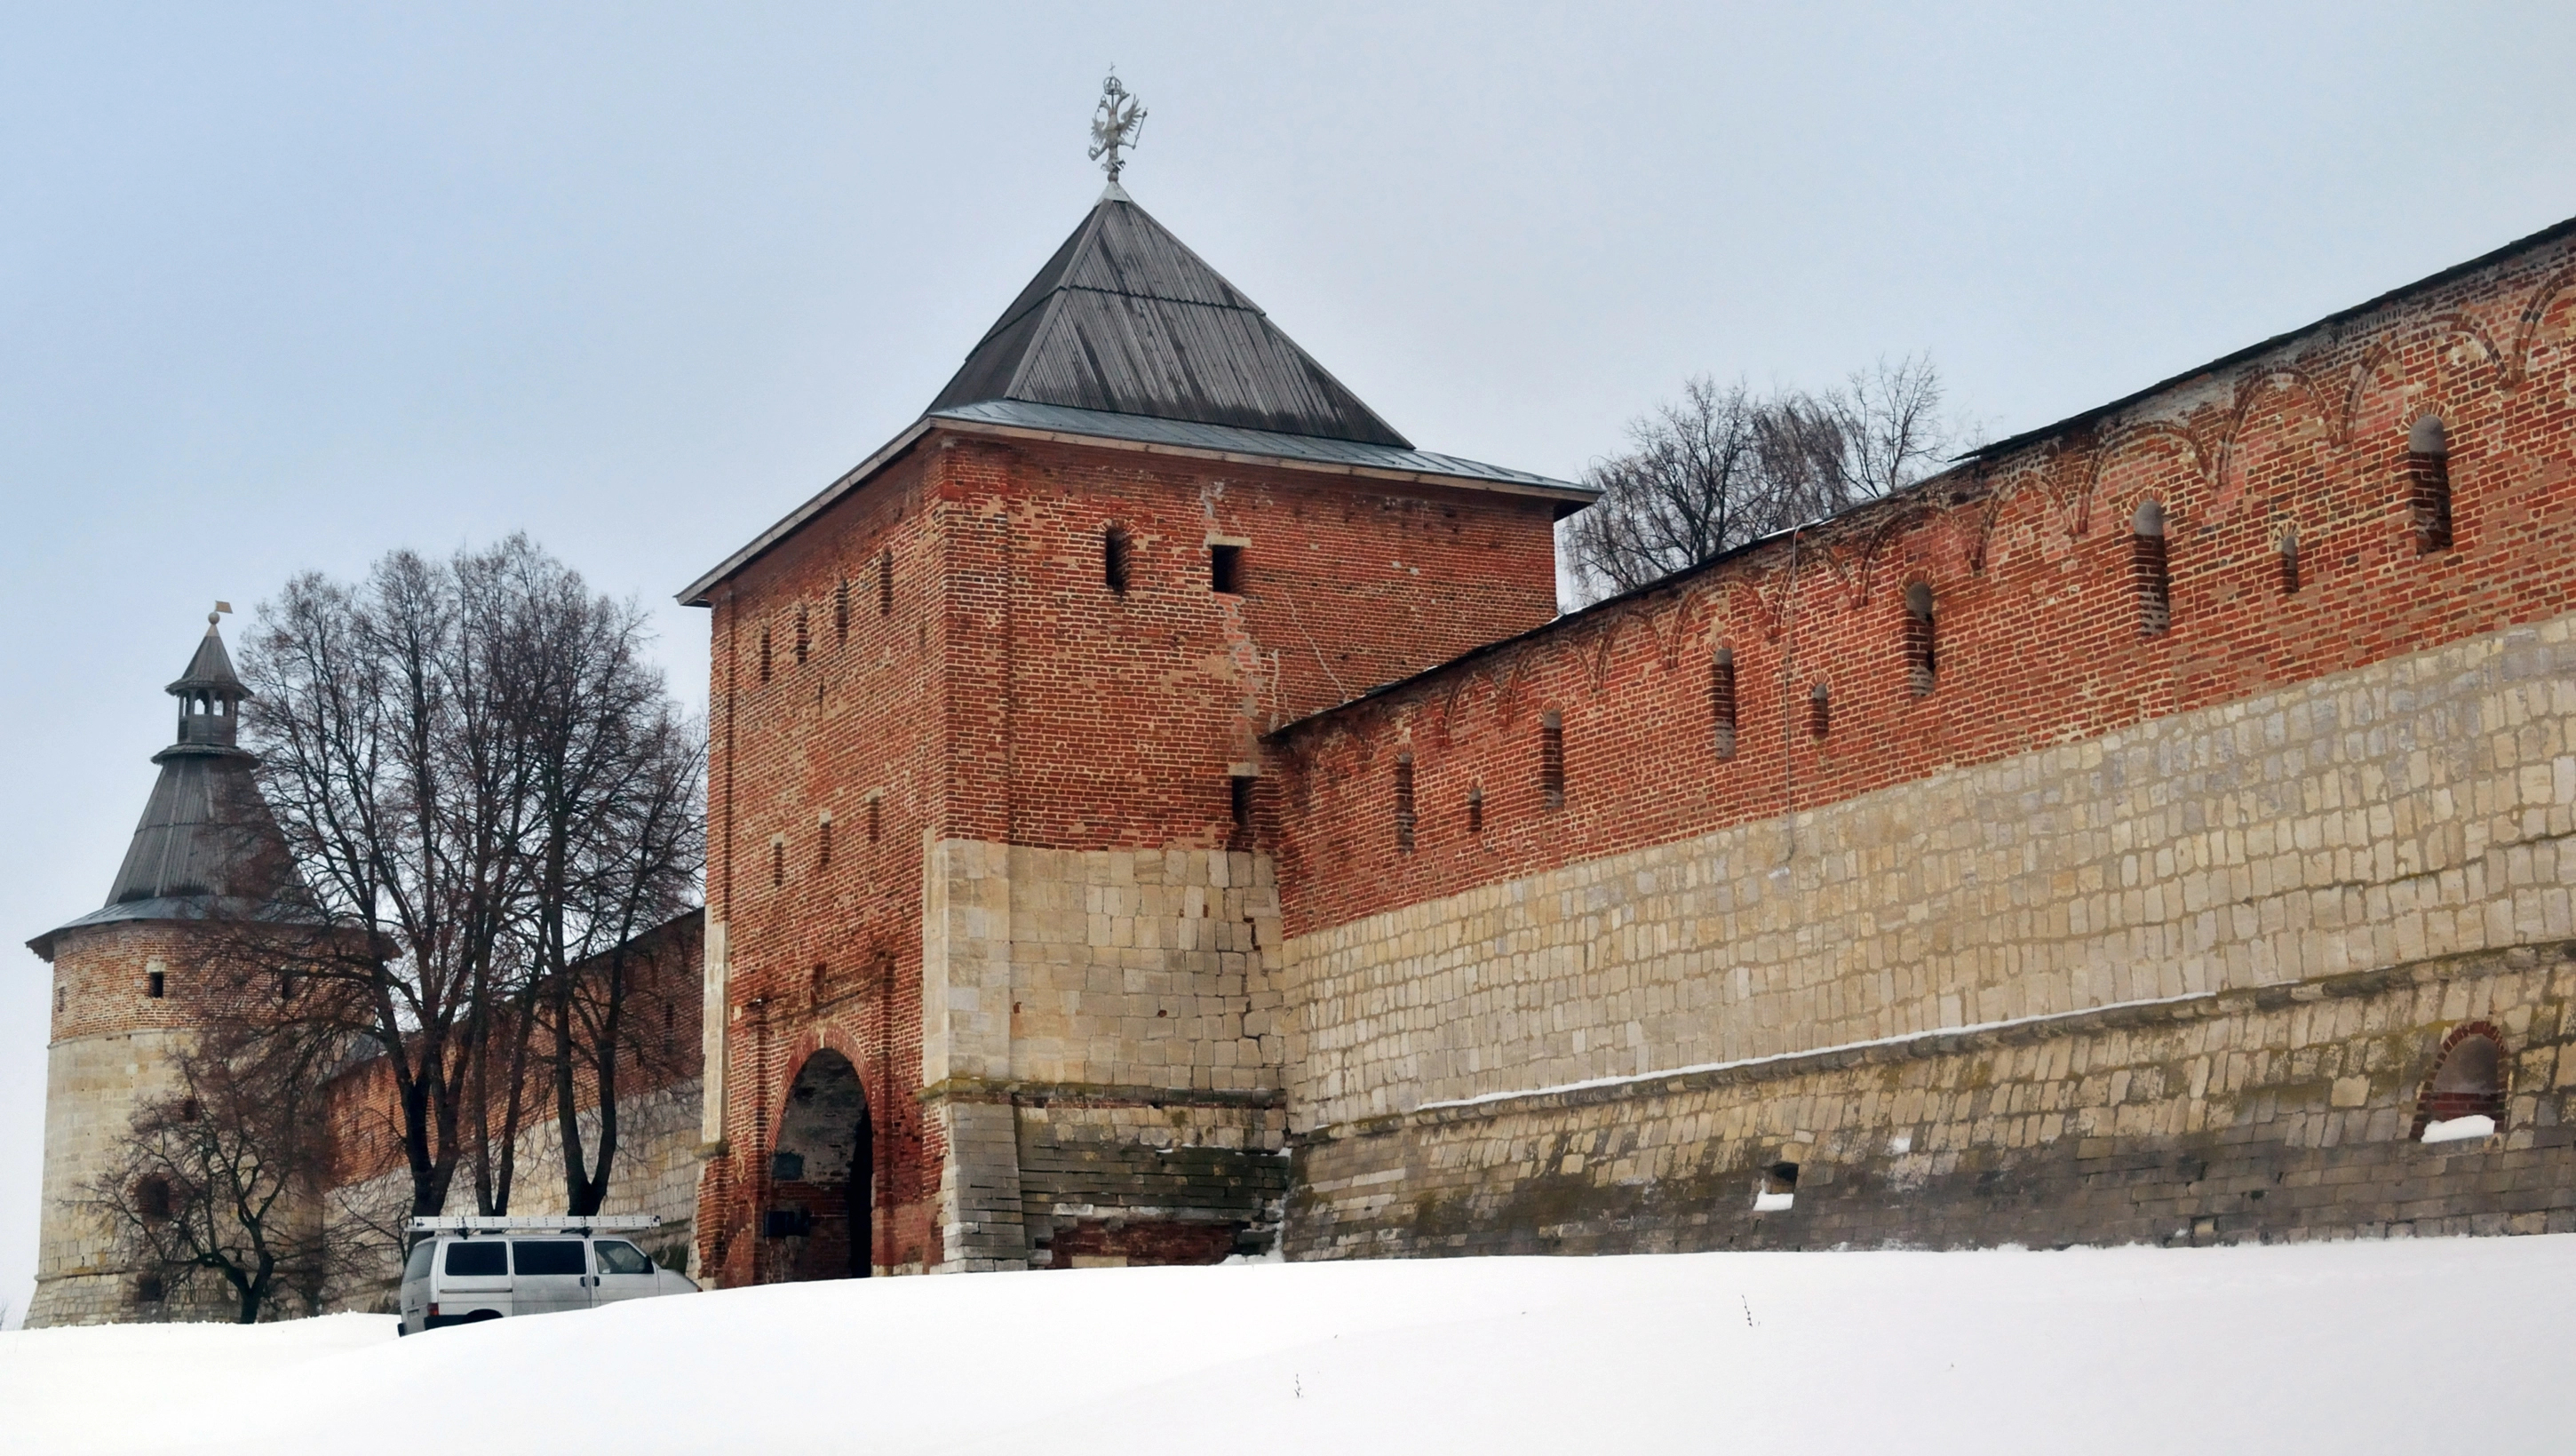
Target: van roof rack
480, 1223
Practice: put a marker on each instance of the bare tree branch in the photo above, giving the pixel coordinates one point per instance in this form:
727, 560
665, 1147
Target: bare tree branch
1722, 467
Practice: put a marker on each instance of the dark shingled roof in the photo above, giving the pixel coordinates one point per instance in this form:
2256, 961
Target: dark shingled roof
207, 845
1125, 319
1128, 336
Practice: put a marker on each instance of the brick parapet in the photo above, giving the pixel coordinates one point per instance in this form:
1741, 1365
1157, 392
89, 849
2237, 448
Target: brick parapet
2028, 555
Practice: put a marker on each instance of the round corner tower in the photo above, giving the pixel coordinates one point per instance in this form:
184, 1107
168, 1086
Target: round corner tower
128, 991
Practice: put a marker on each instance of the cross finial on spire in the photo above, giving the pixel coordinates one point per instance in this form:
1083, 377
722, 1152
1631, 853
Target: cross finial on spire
1115, 127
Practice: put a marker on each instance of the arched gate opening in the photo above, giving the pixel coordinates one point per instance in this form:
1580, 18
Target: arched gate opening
823, 1174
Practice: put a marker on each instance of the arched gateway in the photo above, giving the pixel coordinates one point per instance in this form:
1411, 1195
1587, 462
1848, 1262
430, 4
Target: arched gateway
823, 1174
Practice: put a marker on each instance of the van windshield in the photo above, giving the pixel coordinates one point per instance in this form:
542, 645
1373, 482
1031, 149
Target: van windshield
465, 1257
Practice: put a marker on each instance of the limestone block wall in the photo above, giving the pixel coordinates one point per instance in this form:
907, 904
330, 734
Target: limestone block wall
93, 1086
2274, 1113
2415, 808
1102, 1044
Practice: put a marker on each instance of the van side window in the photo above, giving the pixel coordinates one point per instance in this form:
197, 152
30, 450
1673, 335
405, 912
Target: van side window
469, 1258
417, 1266
619, 1257
548, 1256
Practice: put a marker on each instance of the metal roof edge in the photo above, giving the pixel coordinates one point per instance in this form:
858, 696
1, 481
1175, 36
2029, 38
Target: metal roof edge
695, 593
2486, 259
1501, 482
1537, 486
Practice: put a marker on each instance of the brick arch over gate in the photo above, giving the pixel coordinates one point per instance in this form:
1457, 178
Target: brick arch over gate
2431, 1103
832, 1201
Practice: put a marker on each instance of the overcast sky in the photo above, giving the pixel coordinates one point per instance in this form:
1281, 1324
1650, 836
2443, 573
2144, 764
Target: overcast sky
283, 287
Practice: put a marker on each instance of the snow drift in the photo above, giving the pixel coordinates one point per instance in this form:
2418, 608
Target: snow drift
2309, 1347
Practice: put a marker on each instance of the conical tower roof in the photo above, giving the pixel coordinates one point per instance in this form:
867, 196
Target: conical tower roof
211, 668
207, 845
1125, 319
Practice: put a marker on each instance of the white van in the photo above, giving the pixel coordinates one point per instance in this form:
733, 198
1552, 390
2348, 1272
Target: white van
466, 1270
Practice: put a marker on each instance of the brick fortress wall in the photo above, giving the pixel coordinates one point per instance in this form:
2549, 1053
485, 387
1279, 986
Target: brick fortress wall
1012, 697
1771, 808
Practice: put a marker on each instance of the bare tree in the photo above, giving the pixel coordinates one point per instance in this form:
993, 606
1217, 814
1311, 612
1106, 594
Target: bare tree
385, 757
1724, 466
219, 1180
486, 785
615, 781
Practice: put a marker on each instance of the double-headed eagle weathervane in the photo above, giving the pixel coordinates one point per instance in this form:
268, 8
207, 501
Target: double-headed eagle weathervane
1115, 127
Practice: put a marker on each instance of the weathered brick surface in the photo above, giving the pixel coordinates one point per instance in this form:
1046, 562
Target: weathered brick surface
1007, 696
2113, 767
2280, 1113
2027, 556
2100, 801
2418, 807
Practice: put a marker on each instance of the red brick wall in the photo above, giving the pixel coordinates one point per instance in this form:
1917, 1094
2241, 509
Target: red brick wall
1012, 696
1089, 719
852, 729
2037, 622
101, 976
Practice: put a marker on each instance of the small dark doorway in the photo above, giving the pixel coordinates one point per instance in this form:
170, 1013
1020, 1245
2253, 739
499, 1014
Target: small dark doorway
823, 1173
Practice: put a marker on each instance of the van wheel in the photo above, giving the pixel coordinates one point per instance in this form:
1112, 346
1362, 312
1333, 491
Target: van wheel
481, 1316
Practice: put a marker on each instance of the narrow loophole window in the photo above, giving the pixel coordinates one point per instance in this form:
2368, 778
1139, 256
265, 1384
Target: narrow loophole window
1820, 711
823, 844
1721, 700
764, 654
804, 638
152, 1196
156, 984
777, 863
2428, 485
1225, 569
1238, 794
147, 1288
1476, 810
1551, 760
1115, 552
188, 1109
841, 612
1404, 803
1922, 647
2290, 563
876, 819
2149, 578
670, 1035
885, 583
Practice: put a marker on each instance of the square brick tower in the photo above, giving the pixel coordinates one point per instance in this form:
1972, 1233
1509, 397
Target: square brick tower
990, 919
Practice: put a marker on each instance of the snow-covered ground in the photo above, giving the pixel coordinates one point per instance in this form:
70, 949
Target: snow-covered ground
2402, 1346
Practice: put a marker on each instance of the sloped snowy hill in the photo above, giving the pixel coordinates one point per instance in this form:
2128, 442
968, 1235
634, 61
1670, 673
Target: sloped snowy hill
2352, 1348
